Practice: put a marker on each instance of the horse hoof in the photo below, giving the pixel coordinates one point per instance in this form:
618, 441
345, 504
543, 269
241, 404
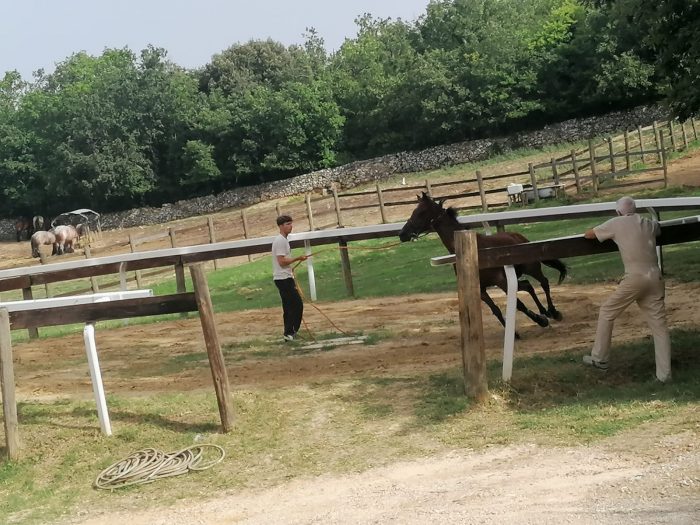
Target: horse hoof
517, 335
542, 321
556, 315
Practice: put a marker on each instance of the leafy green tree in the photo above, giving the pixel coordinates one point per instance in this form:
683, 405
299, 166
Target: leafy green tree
199, 165
88, 136
243, 67
280, 133
668, 30
592, 62
269, 112
368, 75
19, 186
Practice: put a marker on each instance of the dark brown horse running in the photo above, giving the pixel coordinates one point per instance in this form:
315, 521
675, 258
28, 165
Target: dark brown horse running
430, 215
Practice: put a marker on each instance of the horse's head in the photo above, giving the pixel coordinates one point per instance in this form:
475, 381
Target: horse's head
422, 218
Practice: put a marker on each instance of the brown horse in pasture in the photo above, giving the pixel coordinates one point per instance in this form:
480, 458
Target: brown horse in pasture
23, 227
430, 215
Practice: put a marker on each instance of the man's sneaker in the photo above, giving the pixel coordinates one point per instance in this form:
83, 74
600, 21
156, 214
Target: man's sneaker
587, 359
289, 338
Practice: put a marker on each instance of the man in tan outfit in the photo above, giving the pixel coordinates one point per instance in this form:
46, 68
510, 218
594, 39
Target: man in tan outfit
635, 237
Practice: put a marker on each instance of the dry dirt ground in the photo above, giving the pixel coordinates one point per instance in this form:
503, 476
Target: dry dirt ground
651, 477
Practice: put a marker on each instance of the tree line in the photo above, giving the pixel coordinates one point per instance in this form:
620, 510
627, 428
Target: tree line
122, 129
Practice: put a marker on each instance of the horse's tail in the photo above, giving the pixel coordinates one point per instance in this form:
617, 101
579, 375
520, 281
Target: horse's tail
557, 265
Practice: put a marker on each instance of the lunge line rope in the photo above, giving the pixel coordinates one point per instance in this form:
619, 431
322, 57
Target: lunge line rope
301, 293
150, 464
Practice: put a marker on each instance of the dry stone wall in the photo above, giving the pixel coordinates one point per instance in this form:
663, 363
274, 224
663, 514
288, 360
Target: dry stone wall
380, 168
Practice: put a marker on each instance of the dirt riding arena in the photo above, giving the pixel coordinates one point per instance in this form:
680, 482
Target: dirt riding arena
579, 485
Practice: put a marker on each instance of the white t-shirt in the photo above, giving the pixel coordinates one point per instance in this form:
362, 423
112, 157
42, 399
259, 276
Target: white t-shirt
280, 246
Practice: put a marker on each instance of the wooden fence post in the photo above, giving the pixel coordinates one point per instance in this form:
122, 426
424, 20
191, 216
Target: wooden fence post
428, 189
27, 296
611, 154
664, 164
628, 164
482, 193
277, 208
93, 279
657, 140
137, 273
336, 201
672, 132
42, 258
179, 267
594, 172
641, 143
555, 172
345, 265
663, 142
7, 384
471, 323
533, 181
211, 341
171, 234
244, 220
212, 237
309, 213
381, 203
87, 233
122, 278
695, 131
574, 166
685, 137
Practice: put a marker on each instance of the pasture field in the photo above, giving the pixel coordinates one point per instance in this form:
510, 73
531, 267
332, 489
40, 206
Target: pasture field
378, 432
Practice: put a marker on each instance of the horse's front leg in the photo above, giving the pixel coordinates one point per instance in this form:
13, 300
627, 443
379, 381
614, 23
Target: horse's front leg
539, 319
495, 309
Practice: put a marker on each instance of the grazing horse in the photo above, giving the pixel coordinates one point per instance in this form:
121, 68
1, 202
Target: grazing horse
82, 229
66, 235
41, 238
429, 216
23, 226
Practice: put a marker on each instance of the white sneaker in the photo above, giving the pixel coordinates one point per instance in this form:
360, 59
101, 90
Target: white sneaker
588, 360
289, 338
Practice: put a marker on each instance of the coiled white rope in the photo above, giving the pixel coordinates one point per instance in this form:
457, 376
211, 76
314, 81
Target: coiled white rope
149, 464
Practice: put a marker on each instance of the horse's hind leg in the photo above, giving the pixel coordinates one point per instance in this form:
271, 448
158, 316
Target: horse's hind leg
535, 270
526, 286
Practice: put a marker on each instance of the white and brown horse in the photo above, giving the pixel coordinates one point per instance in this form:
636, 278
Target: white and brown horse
41, 238
66, 236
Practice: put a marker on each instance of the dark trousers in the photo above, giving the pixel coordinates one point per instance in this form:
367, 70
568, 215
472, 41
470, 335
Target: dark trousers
292, 305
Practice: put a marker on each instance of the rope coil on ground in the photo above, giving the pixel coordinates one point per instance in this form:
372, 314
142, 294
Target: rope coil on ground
150, 464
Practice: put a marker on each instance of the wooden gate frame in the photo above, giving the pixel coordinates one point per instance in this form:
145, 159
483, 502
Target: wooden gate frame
199, 300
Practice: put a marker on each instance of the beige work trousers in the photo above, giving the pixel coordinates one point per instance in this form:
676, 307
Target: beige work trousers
648, 291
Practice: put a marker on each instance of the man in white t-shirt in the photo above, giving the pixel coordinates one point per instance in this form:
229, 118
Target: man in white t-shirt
292, 304
635, 237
